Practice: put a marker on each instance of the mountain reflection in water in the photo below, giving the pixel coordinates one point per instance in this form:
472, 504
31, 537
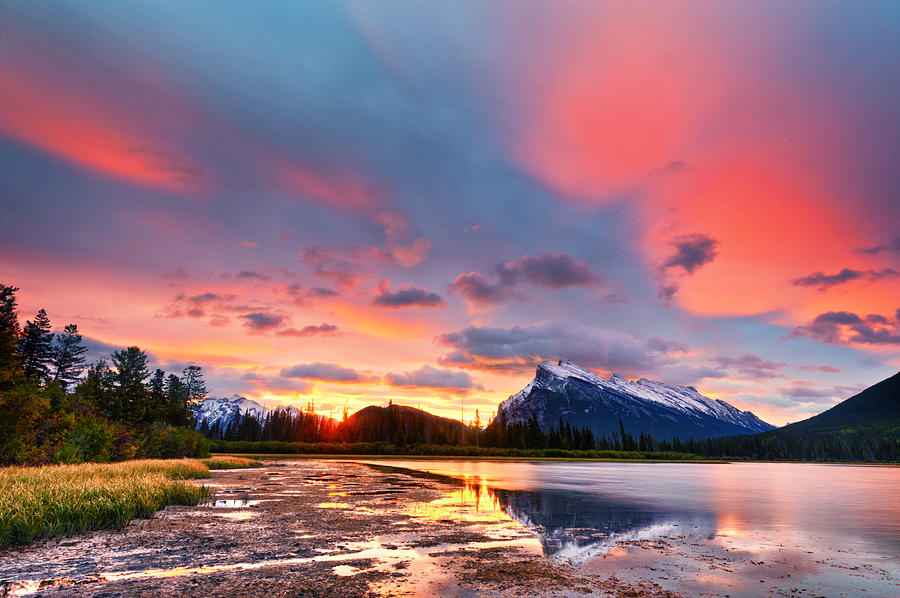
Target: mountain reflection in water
738, 529
579, 526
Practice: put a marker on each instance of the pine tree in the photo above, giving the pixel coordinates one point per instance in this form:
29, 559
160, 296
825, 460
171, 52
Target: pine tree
68, 356
98, 387
36, 346
132, 396
178, 409
193, 380
10, 358
158, 404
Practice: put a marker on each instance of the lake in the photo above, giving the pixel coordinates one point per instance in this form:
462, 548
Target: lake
738, 529
451, 528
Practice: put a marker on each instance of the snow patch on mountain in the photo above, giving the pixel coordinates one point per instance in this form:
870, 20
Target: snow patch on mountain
224, 410
567, 390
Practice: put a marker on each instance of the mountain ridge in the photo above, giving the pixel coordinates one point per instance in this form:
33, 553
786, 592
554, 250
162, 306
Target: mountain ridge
224, 410
566, 391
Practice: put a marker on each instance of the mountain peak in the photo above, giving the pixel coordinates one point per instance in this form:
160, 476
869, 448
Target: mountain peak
568, 391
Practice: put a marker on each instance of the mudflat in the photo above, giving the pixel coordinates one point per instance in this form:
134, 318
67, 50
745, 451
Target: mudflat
312, 528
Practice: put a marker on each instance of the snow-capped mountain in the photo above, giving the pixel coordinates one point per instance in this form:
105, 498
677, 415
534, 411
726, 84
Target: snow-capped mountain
584, 399
224, 410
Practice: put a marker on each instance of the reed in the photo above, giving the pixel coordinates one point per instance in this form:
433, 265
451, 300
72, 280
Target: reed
226, 462
58, 500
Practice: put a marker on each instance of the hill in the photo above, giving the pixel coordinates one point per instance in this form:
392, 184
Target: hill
865, 427
877, 404
399, 424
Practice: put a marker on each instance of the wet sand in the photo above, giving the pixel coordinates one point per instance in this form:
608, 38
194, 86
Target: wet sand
337, 528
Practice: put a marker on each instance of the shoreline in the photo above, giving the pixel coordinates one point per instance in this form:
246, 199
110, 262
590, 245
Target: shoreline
419, 457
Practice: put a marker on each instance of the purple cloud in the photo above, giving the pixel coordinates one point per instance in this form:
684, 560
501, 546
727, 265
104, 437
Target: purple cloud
199, 306
692, 252
891, 246
476, 288
551, 270
824, 281
323, 329
544, 269
346, 267
841, 328
261, 321
329, 372
432, 377
251, 275
406, 297
518, 349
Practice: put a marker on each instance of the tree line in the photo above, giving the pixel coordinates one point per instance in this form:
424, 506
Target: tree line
875, 442
403, 427
56, 408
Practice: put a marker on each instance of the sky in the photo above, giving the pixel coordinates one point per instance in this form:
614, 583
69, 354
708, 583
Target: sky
345, 203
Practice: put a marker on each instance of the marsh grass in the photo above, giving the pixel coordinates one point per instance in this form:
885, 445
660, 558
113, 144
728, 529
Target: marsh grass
227, 462
58, 500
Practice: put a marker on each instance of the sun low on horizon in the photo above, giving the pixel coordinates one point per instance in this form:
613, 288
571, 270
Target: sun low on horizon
346, 203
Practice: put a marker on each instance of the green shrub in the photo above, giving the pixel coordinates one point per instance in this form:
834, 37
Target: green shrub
162, 441
88, 439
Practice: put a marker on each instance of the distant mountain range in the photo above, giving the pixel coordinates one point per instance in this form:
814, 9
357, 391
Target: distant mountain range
225, 410
568, 392
863, 427
393, 423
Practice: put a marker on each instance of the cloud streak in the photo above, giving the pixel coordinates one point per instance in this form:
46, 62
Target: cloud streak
326, 372
892, 246
323, 329
434, 378
825, 281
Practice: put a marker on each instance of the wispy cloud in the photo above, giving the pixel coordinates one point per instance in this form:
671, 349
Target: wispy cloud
328, 372
431, 377
824, 281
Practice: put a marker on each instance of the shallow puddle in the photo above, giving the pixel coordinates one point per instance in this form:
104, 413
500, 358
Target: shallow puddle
232, 502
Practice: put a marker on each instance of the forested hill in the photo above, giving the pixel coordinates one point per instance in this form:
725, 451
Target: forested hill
877, 404
865, 427
399, 424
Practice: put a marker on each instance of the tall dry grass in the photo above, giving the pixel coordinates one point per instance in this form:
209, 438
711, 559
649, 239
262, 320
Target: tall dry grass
57, 500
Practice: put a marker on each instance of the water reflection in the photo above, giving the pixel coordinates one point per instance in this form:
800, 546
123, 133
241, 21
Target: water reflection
745, 529
579, 526
571, 525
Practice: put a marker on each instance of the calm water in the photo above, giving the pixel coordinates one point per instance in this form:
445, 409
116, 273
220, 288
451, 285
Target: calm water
829, 529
